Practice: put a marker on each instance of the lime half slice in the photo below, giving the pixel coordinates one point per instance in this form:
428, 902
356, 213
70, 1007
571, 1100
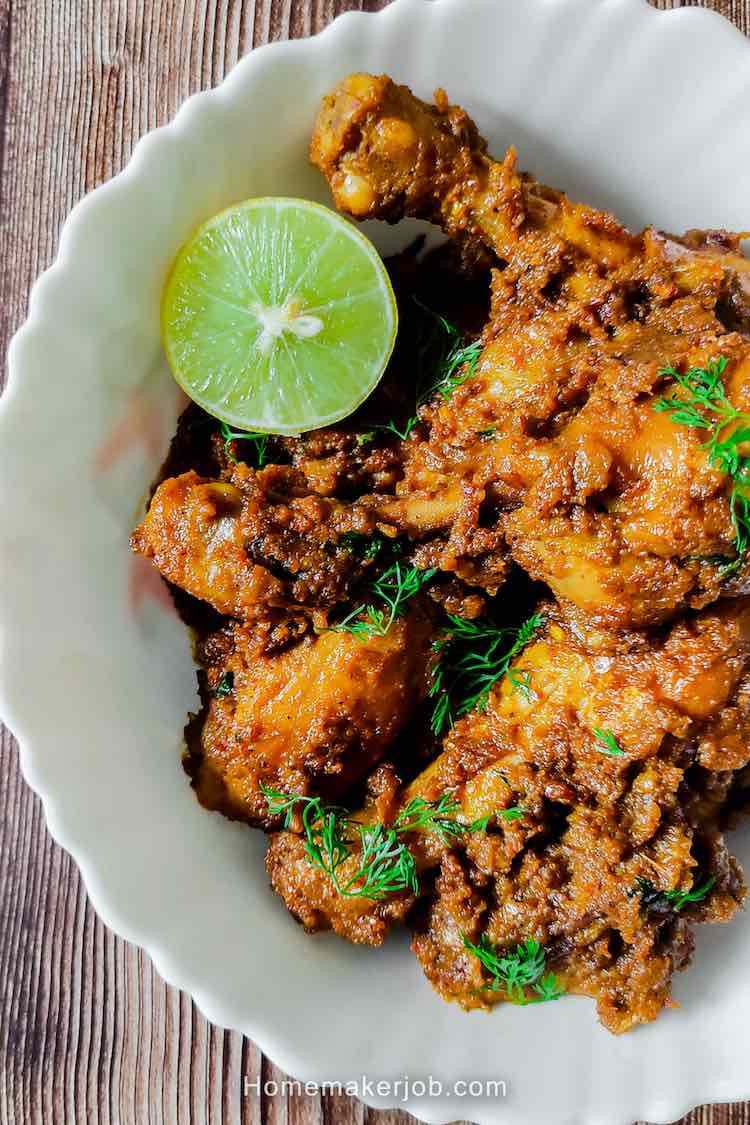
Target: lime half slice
278, 316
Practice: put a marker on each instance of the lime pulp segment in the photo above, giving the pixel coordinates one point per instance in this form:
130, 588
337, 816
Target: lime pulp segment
278, 316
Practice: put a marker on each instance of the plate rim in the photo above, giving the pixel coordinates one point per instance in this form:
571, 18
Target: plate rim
11, 712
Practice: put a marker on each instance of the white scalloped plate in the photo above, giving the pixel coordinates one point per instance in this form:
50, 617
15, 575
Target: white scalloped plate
646, 113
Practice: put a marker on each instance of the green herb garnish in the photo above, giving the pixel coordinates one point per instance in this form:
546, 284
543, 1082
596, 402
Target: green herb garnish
258, 445
472, 657
655, 899
385, 865
225, 686
419, 814
521, 682
364, 546
547, 988
395, 587
443, 363
516, 812
705, 406
515, 972
437, 816
458, 367
606, 743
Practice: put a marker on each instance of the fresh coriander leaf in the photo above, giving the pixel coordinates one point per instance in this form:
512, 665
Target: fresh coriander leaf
547, 988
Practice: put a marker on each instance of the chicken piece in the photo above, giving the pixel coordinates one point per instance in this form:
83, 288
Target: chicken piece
310, 720
724, 247
312, 899
249, 544
618, 751
555, 442
308, 891
295, 535
386, 154
612, 757
194, 536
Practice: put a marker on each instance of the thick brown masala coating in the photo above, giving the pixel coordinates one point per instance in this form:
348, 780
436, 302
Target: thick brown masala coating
552, 453
249, 545
608, 502
566, 872
252, 543
312, 719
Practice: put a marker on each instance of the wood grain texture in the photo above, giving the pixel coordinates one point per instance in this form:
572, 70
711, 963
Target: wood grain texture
88, 1031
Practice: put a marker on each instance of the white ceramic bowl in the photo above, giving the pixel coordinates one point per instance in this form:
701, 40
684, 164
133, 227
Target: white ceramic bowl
642, 112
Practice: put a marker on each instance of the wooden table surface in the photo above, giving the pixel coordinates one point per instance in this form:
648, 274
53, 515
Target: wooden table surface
88, 1031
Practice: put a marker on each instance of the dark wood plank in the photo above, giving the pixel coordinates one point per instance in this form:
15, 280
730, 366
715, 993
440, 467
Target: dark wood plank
88, 1032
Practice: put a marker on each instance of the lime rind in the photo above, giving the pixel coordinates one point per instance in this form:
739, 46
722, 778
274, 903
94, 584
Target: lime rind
278, 316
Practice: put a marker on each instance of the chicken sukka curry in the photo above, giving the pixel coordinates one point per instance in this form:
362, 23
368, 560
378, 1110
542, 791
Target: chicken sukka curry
477, 659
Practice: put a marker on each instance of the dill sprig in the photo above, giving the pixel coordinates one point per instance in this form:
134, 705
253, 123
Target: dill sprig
704, 405
472, 657
258, 443
444, 361
515, 812
395, 587
606, 743
437, 816
515, 972
655, 899
385, 864
521, 682
364, 547
225, 685
459, 365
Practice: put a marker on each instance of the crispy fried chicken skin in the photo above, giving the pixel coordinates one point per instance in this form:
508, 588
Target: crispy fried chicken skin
517, 459
610, 503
